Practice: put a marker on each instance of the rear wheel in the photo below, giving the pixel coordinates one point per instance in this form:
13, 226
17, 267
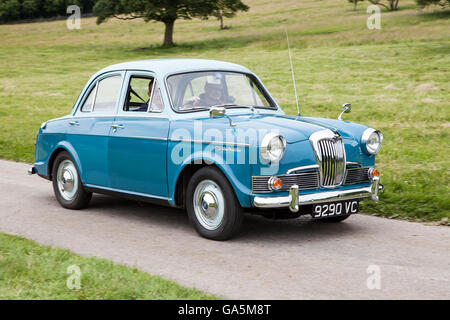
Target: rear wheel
212, 205
67, 183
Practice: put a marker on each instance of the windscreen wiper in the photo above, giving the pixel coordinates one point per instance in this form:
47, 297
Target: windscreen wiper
193, 108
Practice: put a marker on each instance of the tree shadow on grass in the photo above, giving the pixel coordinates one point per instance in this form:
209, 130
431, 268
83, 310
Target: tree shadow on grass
202, 45
277, 40
436, 14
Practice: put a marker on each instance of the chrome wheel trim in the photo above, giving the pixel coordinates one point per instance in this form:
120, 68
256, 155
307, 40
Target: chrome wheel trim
67, 180
209, 204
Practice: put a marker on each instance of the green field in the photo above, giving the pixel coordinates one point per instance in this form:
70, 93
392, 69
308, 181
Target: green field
32, 271
396, 78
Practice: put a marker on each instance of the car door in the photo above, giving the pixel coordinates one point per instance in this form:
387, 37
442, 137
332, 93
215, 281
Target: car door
138, 141
89, 129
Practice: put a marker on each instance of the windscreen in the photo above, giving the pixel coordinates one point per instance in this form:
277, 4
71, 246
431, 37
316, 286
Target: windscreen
201, 90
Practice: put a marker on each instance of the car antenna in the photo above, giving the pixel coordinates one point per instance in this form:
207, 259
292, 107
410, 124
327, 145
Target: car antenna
293, 76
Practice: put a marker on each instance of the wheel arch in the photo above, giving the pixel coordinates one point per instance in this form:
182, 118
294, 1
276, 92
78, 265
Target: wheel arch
192, 166
61, 148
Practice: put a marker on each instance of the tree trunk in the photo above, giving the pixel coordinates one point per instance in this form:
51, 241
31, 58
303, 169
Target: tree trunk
168, 33
221, 22
396, 4
393, 4
356, 3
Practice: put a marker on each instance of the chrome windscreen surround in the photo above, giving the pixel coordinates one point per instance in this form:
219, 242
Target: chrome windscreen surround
330, 155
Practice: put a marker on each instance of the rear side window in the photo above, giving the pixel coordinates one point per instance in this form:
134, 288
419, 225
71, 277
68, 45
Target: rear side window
103, 96
107, 94
87, 106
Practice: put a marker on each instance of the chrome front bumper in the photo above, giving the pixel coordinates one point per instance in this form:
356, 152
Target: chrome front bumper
294, 200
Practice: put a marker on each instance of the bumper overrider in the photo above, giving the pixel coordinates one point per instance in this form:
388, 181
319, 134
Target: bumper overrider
294, 200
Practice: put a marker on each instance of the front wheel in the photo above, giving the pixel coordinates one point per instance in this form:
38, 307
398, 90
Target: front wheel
67, 183
212, 205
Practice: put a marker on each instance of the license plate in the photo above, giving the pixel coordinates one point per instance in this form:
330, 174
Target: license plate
335, 209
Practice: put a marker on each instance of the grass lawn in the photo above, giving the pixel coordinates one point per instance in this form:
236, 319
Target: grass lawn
396, 78
32, 271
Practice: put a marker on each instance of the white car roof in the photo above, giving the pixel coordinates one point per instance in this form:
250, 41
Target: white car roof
163, 67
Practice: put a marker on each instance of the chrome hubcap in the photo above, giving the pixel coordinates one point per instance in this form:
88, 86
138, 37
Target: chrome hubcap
67, 180
209, 204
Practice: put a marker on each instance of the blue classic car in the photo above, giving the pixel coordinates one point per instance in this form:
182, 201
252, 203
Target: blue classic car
205, 136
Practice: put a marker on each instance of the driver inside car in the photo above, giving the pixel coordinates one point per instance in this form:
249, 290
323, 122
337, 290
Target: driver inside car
212, 95
144, 106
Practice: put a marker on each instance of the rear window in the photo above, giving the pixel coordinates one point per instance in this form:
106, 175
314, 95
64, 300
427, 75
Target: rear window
107, 94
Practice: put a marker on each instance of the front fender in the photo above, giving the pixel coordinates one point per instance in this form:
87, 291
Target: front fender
231, 172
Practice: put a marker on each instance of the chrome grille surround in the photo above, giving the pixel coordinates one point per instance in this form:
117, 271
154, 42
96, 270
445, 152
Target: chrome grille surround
330, 155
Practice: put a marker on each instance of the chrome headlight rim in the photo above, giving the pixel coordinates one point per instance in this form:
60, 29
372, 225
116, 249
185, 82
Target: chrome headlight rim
264, 149
365, 138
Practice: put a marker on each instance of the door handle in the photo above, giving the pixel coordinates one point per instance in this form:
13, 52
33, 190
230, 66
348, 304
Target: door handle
74, 123
117, 126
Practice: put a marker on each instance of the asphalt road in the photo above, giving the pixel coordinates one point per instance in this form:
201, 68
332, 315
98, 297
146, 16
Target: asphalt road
283, 259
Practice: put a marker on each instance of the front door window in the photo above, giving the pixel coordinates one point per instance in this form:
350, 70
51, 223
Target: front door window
143, 95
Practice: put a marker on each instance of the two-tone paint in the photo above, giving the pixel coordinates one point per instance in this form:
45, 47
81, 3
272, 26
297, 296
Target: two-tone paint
103, 145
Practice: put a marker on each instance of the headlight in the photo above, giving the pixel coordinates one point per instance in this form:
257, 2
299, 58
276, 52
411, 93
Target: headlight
371, 141
272, 147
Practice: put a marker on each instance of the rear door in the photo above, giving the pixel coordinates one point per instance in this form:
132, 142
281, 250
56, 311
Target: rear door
89, 129
138, 140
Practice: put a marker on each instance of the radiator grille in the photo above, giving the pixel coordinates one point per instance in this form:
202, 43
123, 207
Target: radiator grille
332, 161
357, 175
305, 181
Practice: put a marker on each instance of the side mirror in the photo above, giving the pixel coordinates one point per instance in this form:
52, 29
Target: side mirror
346, 108
217, 112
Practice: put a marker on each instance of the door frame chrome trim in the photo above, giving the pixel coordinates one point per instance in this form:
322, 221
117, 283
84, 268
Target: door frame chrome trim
245, 145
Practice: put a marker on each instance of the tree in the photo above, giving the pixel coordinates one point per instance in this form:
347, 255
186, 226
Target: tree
166, 11
442, 3
228, 9
391, 5
54, 8
355, 2
10, 10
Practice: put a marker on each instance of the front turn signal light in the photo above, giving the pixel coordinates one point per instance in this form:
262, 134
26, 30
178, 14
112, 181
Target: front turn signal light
275, 183
373, 173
